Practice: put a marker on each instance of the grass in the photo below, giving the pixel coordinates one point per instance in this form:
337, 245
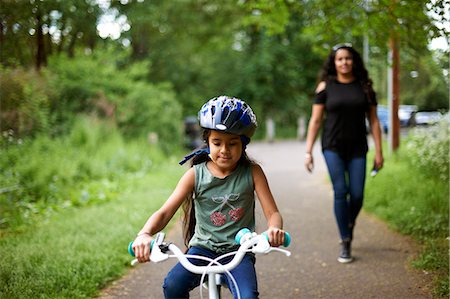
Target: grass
79, 250
415, 204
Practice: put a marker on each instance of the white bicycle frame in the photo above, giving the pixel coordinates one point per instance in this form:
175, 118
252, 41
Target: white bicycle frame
250, 242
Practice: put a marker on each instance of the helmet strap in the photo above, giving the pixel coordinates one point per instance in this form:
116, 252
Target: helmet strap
194, 153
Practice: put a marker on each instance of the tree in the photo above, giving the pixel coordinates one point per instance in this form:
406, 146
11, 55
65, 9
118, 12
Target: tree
423, 81
405, 24
31, 29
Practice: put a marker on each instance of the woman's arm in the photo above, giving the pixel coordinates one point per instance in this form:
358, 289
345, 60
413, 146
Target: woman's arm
161, 218
376, 134
269, 207
313, 128
314, 125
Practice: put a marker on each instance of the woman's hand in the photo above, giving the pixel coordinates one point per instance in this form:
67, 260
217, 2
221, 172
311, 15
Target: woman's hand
141, 247
378, 161
309, 162
276, 236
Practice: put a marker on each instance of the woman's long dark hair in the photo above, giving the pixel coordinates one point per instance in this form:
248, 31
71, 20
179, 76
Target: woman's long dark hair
328, 72
188, 207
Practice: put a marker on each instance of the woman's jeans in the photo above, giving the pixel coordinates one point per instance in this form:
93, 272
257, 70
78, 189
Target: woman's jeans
180, 281
348, 178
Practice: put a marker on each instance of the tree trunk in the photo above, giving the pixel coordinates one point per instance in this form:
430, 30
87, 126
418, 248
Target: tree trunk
41, 58
2, 40
48, 44
140, 46
71, 48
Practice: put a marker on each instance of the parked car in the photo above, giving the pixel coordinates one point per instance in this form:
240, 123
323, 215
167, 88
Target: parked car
406, 115
383, 117
192, 133
425, 118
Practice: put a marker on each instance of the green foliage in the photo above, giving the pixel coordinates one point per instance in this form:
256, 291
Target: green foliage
412, 196
224, 48
24, 102
101, 85
429, 150
273, 16
422, 81
333, 22
267, 52
140, 112
42, 175
33, 30
104, 86
435, 259
78, 251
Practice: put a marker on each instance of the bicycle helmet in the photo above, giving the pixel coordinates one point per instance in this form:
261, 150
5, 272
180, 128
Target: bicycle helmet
230, 115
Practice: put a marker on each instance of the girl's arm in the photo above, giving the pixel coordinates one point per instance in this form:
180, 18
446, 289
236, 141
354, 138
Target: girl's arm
160, 218
376, 134
270, 209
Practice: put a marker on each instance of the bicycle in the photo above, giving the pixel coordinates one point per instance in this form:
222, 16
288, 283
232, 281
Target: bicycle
249, 242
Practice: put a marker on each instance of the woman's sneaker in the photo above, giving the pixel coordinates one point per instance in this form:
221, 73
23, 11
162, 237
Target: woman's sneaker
346, 252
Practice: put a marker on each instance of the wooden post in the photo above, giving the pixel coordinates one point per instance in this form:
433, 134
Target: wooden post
394, 83
395, 122
270, 129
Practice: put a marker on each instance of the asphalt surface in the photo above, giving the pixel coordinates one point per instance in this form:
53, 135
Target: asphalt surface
380, 269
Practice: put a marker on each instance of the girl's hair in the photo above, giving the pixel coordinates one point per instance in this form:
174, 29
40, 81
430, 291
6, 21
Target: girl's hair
328, 72
188, 207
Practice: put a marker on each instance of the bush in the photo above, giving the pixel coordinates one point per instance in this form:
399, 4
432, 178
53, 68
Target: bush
96, 84
429, 149
87, 166
101, 84
24, 102
151, 109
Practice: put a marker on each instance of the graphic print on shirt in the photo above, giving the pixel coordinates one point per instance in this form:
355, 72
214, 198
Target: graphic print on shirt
217, 217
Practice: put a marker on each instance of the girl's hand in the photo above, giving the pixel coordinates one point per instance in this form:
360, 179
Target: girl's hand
276, 236
141, 247
309, 162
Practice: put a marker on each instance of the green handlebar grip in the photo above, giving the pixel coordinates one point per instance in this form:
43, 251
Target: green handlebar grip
244, 231
240, 234
287, 238
130, 248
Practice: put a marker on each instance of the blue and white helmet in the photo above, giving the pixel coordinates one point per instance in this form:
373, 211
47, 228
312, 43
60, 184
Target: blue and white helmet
230, 115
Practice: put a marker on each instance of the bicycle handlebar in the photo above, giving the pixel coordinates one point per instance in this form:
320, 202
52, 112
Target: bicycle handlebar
286, 243
249, 242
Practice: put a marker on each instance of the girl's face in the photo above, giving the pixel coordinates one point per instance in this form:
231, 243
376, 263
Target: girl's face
343, 62
225, 150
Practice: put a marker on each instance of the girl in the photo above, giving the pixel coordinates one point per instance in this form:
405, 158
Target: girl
217, 194
345, 95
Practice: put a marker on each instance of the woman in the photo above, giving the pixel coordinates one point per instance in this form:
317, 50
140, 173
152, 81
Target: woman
345, 97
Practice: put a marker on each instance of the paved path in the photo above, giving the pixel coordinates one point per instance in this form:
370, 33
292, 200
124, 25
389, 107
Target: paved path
380, 269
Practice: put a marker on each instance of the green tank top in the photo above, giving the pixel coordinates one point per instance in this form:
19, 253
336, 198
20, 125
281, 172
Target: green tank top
222, 207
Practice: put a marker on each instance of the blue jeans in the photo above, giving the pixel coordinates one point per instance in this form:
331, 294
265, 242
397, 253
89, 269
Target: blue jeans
179, 281
348, 178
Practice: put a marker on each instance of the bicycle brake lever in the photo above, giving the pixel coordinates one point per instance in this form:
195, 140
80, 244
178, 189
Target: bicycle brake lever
156, 255
286, 252
262, 246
